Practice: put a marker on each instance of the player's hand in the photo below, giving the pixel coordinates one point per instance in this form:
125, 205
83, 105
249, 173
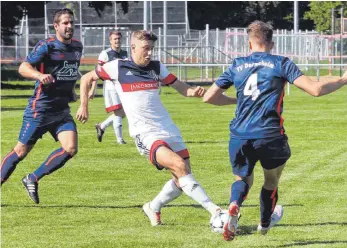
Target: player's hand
197, 92
46, 78
82, 114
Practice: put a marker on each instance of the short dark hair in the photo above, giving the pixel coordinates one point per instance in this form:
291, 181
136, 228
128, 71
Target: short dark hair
260, 31
59, 12
115, 32
144, 35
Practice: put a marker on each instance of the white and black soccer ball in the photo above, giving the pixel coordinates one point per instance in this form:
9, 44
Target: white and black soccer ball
217, 221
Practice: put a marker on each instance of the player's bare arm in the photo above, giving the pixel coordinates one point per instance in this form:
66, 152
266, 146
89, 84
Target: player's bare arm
92, 90
316, 88
29, 72
86, 81
215, 95
187, 91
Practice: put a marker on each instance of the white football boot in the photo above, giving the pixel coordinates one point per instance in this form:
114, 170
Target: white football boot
154, 217
275, 218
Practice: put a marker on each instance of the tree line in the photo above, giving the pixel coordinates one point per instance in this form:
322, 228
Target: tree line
315, 15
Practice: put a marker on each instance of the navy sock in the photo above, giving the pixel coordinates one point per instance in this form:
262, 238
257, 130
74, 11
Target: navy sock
54, 161
8, 165
239, 191
268, 200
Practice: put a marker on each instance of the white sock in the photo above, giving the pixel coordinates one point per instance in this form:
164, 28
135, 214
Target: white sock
106, 122
194, 190
117, 126
167, 194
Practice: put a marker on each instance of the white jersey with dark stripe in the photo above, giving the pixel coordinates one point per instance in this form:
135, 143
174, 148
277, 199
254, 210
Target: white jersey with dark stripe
138, 89
108, 55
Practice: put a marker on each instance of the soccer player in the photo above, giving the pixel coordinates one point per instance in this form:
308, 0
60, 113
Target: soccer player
53, 63
156, 136
256, 132
112, 102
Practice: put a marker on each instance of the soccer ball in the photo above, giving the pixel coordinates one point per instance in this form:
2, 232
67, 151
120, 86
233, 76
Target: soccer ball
217, 221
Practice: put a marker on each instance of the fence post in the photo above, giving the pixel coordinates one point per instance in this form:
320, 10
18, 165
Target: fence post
293, 47
16, 44
46, 22
285, 43
103, 37
127, 41
217, 41
159, 44
26, 34
80, 4
245, 40
318, 54
207, 36
330, 48
307, 42
282, 42
277, 41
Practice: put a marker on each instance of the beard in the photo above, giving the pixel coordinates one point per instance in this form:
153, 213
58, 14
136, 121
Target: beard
68, 36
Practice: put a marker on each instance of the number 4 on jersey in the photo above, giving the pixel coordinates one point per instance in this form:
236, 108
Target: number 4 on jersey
251, 88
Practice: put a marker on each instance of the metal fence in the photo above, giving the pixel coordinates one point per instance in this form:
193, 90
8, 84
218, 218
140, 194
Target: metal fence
208, 52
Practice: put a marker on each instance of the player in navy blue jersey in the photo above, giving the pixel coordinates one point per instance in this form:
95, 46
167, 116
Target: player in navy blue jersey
112, 101
257, 132
53, 63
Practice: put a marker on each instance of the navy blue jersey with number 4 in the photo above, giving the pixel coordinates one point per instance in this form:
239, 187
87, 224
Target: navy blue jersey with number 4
259, 80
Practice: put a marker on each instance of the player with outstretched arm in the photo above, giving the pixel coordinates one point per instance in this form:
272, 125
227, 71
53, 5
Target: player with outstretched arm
156, 136
257, 132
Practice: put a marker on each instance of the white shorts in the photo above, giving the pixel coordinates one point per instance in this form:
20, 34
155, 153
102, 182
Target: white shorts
148, 143
112, 101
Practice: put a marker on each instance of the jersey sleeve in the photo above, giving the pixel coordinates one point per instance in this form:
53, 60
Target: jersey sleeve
225, 81
37, 54
103, 58
290, 71
108, 71
165, 77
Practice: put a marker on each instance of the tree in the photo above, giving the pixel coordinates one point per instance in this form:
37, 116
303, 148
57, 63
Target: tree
12, 13
240, 14
320, 13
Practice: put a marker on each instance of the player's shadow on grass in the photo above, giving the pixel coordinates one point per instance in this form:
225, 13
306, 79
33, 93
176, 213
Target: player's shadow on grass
130, 206
12, 108
15, 97
207, 142
315, 224
312, 242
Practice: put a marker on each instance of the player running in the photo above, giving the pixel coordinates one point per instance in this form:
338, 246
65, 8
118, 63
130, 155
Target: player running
256, 132
53, 63
156, 136
112, 102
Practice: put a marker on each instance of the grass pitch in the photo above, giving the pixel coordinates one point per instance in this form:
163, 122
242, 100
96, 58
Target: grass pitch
95, 200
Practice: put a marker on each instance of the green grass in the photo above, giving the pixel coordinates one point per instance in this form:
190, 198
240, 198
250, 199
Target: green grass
95, 199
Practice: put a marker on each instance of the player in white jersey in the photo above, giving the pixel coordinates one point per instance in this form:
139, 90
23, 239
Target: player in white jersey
137, 83
111, 98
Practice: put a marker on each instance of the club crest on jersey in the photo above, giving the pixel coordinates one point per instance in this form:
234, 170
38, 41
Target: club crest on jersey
78, 55
153, 75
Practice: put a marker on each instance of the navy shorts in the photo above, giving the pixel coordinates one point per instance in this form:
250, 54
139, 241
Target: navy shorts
244, 154
33, 129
